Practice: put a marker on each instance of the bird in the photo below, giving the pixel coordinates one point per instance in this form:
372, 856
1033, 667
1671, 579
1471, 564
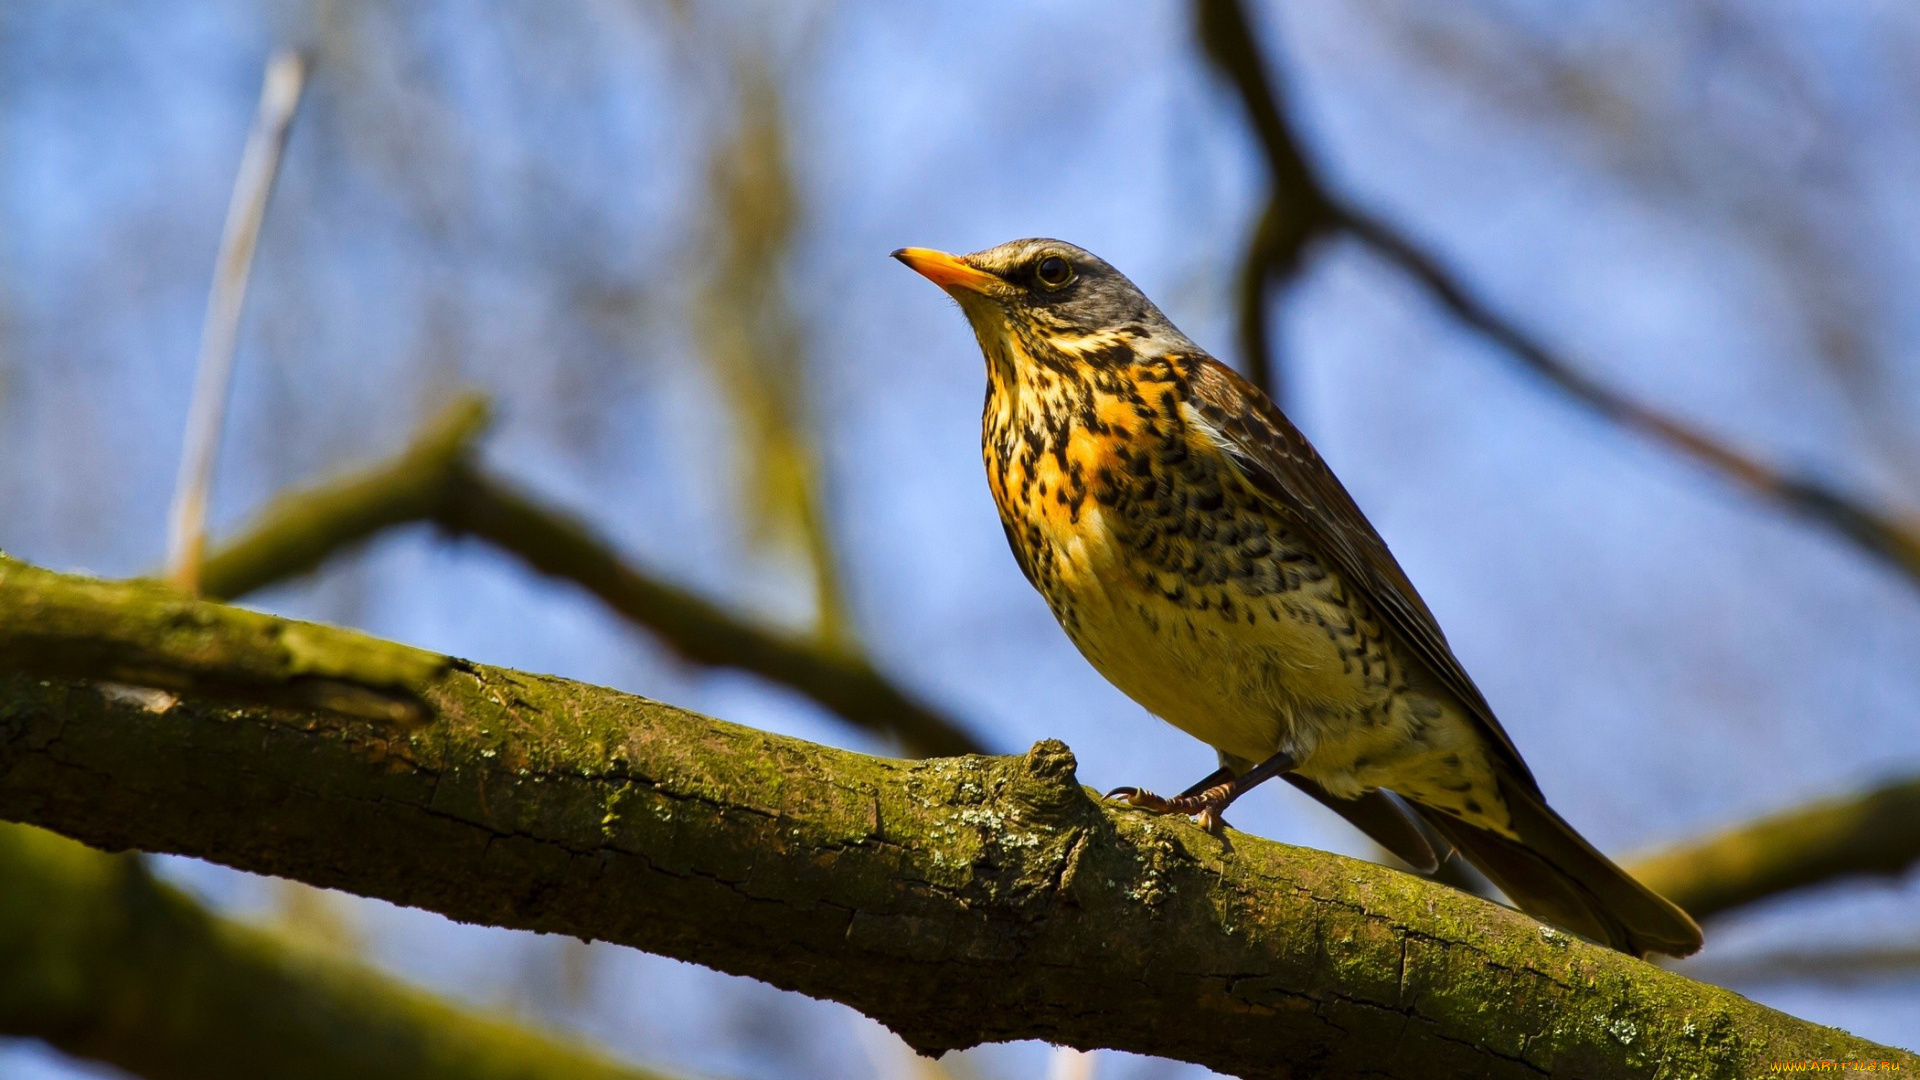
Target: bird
1206, 561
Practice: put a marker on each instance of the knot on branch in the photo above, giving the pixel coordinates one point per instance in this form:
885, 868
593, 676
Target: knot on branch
1045, 784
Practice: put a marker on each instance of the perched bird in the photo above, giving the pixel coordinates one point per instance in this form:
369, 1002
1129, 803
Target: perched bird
1206, 561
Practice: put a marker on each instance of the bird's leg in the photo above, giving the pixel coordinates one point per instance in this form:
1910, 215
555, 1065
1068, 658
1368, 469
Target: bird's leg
1210, 797
1218, 776
1159, 804
1217, 799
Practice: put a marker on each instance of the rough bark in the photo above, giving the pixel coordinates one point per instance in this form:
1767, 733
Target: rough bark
436, 480
104, 962
956, 900
1873, 832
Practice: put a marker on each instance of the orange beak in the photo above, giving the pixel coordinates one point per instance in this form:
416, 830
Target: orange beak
947, 271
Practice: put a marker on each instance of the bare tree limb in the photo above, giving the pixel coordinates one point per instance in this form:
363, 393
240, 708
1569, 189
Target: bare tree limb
300, 530
1231, 45
259, 164
1297, 209
955, 900
435, 479
844, 682
104, 962
1873, 832
1894, 541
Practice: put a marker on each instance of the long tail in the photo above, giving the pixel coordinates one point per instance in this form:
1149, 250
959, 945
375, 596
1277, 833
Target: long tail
1552, 873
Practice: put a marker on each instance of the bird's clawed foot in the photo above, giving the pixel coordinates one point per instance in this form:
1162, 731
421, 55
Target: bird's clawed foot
1142, 798
1207, 806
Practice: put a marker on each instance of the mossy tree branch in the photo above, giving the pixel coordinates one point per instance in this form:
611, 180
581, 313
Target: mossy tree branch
104, 962
957, 901
436, 479
1303, 207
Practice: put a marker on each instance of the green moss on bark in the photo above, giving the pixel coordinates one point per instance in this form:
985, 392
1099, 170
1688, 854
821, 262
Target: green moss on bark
956, 900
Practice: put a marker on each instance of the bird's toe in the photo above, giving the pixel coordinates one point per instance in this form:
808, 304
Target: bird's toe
1142, 799
1213, 819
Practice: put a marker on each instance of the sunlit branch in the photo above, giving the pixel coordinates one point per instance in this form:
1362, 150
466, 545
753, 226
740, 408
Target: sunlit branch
956, 900
435, 480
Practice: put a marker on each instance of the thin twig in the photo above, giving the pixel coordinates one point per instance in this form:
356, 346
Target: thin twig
1232, 46
1873, 531
252, 189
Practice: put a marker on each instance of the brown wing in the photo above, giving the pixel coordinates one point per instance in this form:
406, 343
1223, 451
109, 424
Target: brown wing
1284, 466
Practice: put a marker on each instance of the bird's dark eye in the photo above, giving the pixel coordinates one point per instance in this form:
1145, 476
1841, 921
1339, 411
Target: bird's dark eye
1053, 271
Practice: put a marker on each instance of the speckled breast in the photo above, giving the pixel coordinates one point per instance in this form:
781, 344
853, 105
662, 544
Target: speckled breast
1173, 577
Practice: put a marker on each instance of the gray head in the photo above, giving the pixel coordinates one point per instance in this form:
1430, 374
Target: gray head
1040, 293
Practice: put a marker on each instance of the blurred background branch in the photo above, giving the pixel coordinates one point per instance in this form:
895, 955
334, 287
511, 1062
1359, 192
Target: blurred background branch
755, 343
107, 963
436, 479
1871, 832
299, 530
1297, 209
1301, 207
1841, 965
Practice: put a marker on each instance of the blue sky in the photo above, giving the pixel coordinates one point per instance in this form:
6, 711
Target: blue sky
1708, 206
